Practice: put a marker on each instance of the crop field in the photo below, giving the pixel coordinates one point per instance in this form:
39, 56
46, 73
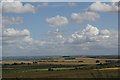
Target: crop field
62, 67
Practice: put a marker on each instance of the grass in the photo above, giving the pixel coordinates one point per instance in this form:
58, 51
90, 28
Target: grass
67, 68
29, 70
64, 74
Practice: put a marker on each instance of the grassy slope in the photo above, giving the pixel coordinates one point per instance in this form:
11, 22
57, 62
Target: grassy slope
64, 74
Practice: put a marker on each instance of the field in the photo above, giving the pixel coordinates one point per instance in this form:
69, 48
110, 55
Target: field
62, 67
64, 74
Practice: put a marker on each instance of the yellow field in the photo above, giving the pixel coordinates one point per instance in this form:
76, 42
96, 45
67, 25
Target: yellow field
11, 62
115, 68
108, 59
62, 60
65, 63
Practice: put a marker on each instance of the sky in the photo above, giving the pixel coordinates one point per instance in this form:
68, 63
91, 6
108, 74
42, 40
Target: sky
59, 28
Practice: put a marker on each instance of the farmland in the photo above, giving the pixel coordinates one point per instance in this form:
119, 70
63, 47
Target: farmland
62, 67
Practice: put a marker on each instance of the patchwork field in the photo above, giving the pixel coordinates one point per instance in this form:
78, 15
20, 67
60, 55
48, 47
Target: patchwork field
63, 67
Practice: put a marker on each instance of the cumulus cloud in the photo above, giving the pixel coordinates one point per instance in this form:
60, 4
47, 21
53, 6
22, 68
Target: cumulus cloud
92, 37
57, 21
92, 40
104, 7
12, 36
59, 36
90, 30
18, 42
12, 20
17, 7
105, 32
88, 41
90, 34
12, 32
81, 18
14, 41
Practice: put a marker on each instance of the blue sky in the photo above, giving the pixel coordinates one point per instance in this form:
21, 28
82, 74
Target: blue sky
38, 26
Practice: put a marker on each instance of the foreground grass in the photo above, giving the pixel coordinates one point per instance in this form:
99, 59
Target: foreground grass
64, 74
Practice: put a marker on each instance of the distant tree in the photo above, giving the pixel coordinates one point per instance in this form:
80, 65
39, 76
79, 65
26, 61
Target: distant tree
69, 58
35, 62
118, 61
65, 56
110, 61
22, 63
6, 64
15, 64
28, 63
76, 68
80, 61
97, 61
50, 69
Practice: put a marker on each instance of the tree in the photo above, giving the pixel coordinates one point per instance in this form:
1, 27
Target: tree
35, 62
97, 61
50, 69
15, 64
28, 63
22, 63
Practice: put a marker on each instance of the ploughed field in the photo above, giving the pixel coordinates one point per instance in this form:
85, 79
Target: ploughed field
64, 67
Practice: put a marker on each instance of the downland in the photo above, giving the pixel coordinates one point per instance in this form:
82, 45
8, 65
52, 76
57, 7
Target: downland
62, 67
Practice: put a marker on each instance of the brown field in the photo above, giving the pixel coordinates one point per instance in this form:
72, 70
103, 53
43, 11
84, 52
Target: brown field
66, 63
10, 68
62, 59
84, 58
115, 68
108, 59
11, 62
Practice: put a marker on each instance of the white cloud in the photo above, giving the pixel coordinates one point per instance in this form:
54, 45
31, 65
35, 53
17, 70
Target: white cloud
81, 18
72, 4
12, 20
12, 36
59, 37
90, 30
15, 42
104, 7
17, 7
91, 34
105, 32
88, 41
98, 42
57, 21
12, 32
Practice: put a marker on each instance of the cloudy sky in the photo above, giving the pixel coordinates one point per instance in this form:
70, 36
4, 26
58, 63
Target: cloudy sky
46, 29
